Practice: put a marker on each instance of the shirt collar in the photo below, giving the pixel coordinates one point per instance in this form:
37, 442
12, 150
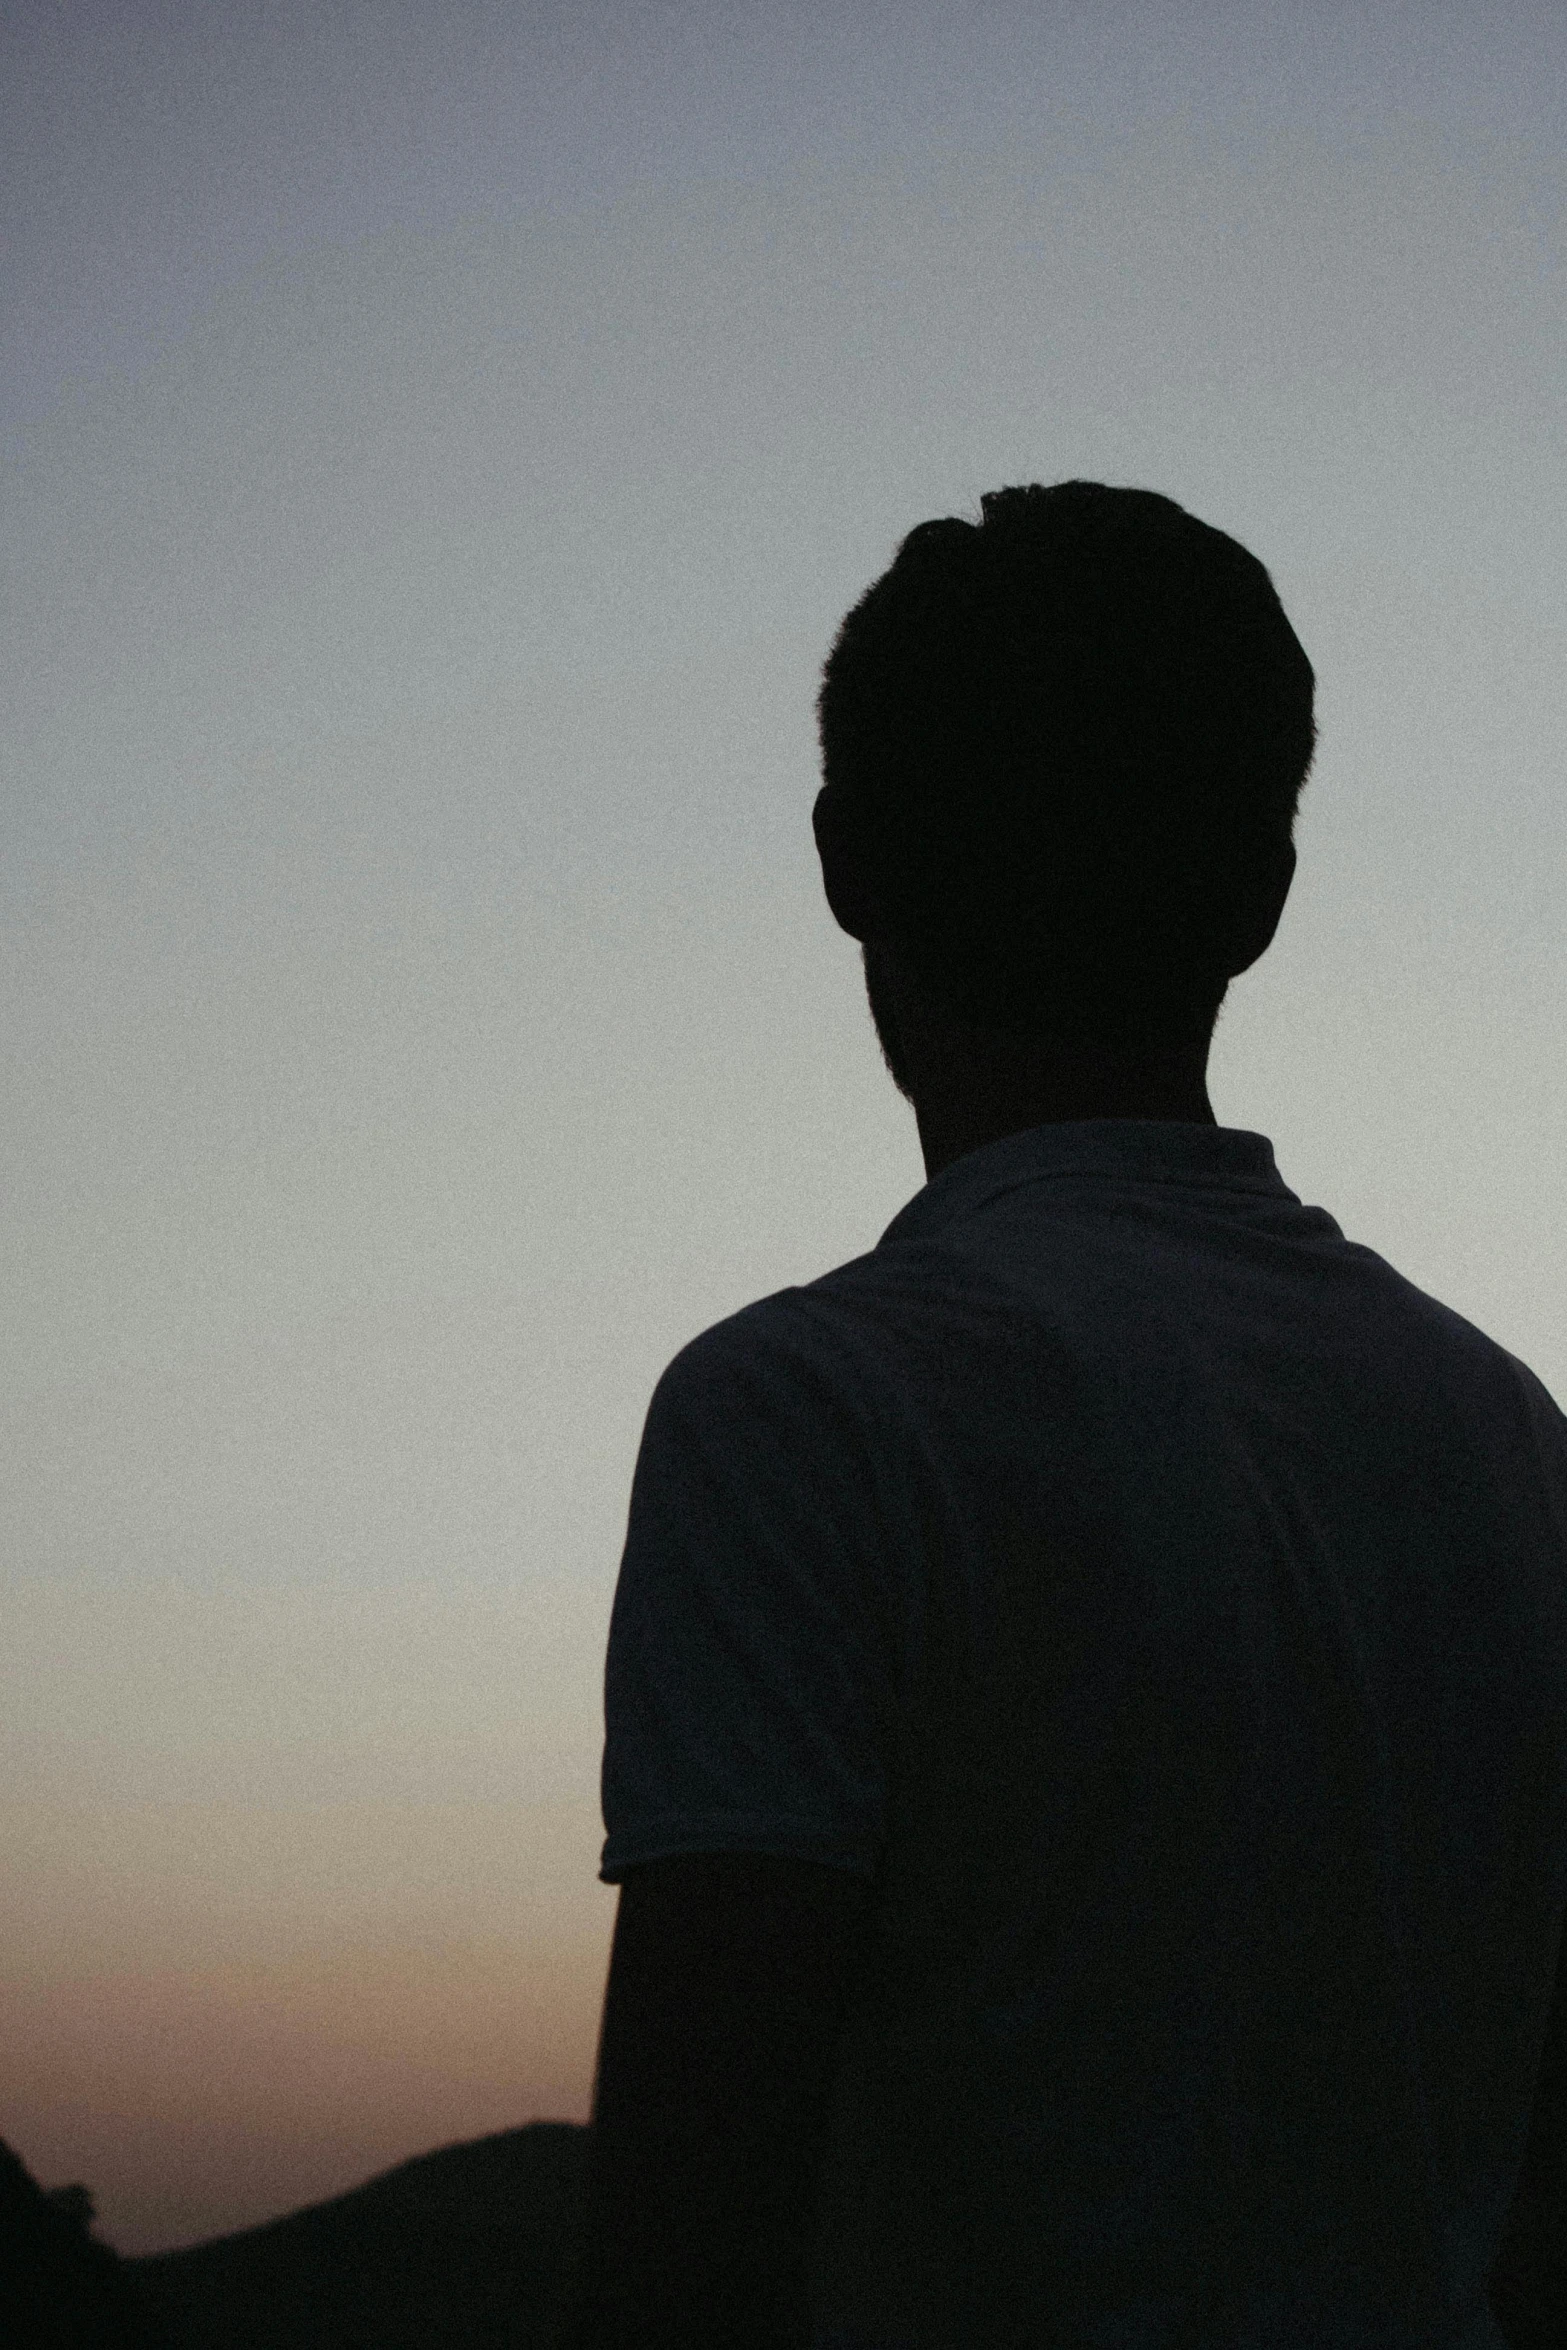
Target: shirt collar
1124, 1150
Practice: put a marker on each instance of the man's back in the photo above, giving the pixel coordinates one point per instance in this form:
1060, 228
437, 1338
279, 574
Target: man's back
1165, 1605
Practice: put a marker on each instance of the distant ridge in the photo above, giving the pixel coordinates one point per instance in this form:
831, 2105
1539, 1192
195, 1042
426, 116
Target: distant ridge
473, 2244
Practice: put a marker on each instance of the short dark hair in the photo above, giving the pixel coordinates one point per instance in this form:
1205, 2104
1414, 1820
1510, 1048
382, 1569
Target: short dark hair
1060, 737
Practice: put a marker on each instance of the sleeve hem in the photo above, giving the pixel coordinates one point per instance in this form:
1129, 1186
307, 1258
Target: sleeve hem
768, 1839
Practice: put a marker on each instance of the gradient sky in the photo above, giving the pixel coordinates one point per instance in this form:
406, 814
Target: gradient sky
440, 443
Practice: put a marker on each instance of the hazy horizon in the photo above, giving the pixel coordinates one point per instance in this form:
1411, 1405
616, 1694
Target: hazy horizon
440, 447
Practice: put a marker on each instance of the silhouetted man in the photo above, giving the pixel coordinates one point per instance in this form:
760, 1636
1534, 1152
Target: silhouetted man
1086, 1701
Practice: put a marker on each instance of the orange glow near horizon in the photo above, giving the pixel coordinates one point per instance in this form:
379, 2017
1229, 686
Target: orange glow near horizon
196, 2104
256, 2010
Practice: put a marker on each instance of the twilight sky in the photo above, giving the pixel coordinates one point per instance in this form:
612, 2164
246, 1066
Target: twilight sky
440, 442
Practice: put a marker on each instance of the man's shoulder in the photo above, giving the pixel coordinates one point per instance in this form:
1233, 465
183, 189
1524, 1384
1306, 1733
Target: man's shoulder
831, 1332
1412, 1319
786, 1322
1547, 1427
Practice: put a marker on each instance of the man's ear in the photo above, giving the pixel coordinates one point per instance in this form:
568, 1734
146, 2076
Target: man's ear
842, 877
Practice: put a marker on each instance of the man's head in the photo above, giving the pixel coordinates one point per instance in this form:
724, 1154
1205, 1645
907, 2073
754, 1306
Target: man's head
1063, 749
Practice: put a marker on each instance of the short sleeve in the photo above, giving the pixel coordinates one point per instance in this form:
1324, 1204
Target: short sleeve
748, 1681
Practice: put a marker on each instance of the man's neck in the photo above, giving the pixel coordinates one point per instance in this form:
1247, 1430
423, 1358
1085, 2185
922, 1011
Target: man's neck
970, 1086
953, 1121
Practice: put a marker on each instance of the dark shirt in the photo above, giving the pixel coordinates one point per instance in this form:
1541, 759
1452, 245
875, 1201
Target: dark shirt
1163, 1603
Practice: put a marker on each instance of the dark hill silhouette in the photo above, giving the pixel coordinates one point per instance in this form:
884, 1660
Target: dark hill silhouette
473, 2244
